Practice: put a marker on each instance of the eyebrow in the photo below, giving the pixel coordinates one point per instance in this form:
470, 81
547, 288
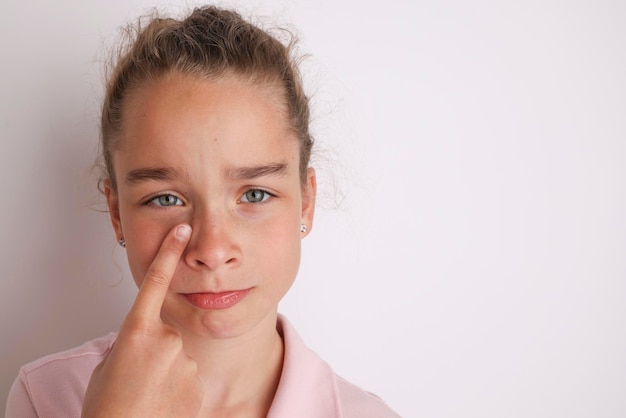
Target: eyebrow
241, 173
150, 173
249, 173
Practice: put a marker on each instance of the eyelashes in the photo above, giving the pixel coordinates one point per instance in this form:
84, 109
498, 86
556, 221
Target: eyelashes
251, 196
165, 200
255, 196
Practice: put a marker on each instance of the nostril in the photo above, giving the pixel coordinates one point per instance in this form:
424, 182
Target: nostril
230, 260
199, 262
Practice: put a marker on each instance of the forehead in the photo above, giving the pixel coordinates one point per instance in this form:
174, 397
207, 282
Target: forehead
229, 121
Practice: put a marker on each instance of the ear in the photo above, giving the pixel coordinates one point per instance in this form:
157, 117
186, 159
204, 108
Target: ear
114, 209
309, 191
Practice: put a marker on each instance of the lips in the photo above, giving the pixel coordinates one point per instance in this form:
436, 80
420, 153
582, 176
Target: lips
216, 301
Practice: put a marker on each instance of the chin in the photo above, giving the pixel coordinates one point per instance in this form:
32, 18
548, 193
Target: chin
218, 324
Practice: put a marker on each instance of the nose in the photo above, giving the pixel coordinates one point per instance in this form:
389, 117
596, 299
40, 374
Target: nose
212, 244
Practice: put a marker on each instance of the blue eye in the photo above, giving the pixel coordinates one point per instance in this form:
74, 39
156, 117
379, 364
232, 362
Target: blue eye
255, 196
166, 200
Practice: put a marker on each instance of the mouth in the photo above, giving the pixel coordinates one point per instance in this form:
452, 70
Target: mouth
216, 301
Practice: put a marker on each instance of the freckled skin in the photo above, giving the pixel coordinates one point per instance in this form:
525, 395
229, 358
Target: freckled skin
235, 244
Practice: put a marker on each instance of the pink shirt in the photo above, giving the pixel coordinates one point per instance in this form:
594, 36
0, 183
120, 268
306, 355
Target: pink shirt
54, 386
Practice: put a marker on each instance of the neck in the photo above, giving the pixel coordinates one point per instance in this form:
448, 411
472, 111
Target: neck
239, 373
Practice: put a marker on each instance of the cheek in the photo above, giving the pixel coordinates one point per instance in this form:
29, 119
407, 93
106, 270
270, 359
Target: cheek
279, 245
144, 239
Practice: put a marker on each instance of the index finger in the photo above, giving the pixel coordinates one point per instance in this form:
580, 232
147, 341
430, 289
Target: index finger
154, 287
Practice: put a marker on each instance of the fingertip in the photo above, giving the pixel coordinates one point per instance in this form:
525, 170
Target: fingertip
183, 232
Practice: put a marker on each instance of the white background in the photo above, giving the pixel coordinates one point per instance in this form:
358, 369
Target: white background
468, 255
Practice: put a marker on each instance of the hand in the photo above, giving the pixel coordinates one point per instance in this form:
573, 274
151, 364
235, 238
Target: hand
147, 373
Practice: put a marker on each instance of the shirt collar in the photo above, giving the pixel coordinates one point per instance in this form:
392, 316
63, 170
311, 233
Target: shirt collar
307, 386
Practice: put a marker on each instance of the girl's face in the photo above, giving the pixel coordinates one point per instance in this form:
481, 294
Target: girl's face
218, 155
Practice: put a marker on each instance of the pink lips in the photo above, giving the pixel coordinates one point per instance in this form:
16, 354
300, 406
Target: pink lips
214, 301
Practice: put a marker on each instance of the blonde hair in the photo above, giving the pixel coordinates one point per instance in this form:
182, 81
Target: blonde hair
209, 43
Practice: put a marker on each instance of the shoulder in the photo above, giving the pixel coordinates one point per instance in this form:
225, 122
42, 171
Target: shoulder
72, 366
55, 385
309, 387
358, 403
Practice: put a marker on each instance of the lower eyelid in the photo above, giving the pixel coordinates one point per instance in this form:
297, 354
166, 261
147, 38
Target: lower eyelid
268, 195
151, 201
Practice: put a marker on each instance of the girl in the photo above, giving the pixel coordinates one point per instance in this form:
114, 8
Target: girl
206, 152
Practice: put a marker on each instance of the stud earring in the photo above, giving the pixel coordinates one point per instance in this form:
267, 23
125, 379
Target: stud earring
122, 242
302, 228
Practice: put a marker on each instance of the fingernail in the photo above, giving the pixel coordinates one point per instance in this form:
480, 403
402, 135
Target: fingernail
183, 232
